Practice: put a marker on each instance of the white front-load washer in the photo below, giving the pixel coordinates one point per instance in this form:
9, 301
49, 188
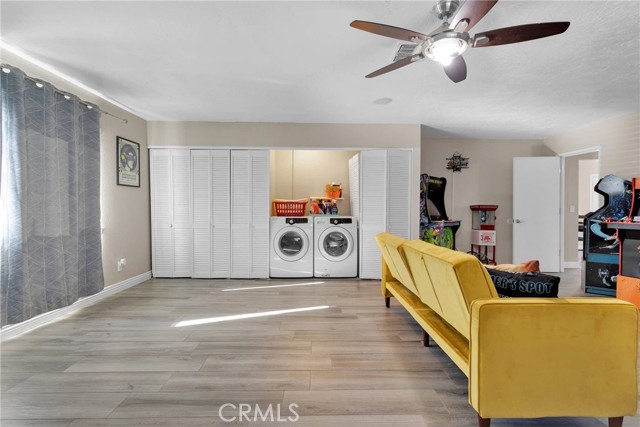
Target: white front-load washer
291, 247
336, 246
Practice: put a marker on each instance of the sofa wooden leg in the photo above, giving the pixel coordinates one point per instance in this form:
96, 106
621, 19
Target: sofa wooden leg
425, 338
615, 421
484, 422
387, 301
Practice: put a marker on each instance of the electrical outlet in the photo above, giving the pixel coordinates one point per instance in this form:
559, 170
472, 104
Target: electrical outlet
122, 264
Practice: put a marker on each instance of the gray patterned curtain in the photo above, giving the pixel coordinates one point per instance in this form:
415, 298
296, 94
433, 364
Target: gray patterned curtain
50, 247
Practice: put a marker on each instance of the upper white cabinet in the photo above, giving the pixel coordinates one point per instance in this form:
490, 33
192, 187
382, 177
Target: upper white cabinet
171, 215
211, 190
383, 202
250, 211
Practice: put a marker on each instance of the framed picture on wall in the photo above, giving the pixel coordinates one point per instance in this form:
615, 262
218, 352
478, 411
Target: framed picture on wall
128, 162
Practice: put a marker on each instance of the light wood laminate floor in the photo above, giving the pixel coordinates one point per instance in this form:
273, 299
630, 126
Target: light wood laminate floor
126, 362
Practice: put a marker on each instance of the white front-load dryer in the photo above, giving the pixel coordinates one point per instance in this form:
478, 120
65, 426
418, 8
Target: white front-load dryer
336, 246
291, 247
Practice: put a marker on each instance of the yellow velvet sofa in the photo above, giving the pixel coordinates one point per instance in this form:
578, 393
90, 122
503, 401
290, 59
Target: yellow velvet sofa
524, 357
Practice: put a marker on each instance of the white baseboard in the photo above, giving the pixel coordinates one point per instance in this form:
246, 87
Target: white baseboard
13, 331
571, 264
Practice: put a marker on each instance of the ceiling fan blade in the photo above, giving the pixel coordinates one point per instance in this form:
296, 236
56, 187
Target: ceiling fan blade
389, 31
519, 33
471, 11
394, 66
457, 70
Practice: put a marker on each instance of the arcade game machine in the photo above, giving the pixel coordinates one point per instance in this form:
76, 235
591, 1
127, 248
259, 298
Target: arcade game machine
601, 248
628, 283
435, 225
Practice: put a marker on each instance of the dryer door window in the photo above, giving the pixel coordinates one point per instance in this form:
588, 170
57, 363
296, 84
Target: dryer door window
291, 245
336, 244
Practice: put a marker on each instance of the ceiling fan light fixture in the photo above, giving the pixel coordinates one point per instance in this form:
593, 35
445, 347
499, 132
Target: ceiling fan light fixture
445, 46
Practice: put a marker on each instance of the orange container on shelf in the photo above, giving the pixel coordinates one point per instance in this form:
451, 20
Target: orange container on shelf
289, 207
333, 191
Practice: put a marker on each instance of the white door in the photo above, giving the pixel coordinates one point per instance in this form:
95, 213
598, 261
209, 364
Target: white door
201, 199
373, 210
399, 193
220, 212
249, 214
182, 217
260, 214
354, 186
536, 211
210, 197
161, 213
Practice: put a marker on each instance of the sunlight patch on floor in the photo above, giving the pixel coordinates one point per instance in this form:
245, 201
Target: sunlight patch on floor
246, 316
272, 286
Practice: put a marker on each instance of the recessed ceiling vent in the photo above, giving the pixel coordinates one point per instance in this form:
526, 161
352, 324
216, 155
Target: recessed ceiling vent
404, 51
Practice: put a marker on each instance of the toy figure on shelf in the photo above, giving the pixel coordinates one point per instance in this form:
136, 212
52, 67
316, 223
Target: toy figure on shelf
435, 226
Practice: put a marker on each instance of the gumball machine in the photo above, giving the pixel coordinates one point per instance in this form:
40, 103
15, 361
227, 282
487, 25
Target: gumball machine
483, 232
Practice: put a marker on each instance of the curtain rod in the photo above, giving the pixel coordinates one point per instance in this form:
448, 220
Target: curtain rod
7, 69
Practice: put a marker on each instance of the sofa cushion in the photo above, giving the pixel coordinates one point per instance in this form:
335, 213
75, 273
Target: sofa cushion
448, 281
391, 249
531, 284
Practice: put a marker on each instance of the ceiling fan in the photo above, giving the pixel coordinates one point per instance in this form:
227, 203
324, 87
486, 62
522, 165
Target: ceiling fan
447, 43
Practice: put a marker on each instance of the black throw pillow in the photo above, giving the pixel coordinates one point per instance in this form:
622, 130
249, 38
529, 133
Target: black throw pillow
530, 284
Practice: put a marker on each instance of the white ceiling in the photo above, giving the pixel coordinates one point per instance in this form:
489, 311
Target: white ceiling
299, 61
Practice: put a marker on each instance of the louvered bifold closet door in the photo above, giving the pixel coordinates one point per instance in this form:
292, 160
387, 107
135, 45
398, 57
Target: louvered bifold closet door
354, 185
373, 211
210, 180
399, 192
259, 214
161, 213
240, 214
249, 214
182, 216
221, 210
201, 182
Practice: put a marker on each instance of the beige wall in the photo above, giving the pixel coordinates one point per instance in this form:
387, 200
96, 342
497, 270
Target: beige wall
618, 139
300, 136
298, 174
488, 180
125, 210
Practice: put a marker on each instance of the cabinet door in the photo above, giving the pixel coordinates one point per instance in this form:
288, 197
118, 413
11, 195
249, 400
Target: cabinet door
161, 213
373, 210
259, 214
240, 214
220, 209
399, 192
201, 199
